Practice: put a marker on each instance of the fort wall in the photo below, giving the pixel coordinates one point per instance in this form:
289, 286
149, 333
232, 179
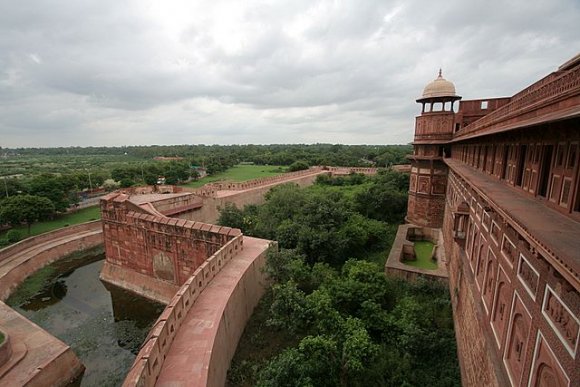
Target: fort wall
29, 242
505, 292
251, 193
149, 362
154, 255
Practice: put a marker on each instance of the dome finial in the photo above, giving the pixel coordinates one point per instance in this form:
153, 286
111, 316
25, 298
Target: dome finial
440, 76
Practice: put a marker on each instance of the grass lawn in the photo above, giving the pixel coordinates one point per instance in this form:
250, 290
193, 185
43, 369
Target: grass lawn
423, 253
81, 216
240, 173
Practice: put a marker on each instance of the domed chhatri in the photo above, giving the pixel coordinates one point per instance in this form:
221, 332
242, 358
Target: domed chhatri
439, 88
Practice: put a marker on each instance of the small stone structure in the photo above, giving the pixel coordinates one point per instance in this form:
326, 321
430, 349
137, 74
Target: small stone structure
403, 249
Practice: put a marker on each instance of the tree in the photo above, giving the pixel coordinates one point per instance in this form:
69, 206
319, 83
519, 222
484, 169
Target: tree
60, 190
25, 209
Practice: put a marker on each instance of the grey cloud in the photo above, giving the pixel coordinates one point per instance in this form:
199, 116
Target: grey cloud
104, 72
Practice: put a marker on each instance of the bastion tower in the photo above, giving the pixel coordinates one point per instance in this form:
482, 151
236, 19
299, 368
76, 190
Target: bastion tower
433, 130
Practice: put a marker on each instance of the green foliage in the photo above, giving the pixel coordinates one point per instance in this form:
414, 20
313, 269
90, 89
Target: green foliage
59, 220
360, 328
58, 189
31, 286
385, 199
355, 326
125, 183
25, 209
13, 236
320, 224
299, 165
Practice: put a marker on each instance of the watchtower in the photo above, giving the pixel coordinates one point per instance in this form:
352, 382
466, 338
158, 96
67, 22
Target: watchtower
433, 131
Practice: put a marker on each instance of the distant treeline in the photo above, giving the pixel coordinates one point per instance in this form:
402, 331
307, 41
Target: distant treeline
228, 155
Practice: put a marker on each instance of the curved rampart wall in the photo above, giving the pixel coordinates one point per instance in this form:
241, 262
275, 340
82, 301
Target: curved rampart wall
147, 365
25, 257
41, 359
27, 243
349, 170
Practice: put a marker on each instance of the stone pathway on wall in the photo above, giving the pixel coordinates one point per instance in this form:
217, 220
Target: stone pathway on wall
33, 352
189, 357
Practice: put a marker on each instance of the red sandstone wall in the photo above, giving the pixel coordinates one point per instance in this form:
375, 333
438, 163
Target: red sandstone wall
167, 249
147, 365
27, 243
506, 294
57, 372
238, 311
177, 204
426, 211
209, 213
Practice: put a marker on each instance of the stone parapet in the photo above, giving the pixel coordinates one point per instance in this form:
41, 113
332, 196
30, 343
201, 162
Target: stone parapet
528, 103
147, 366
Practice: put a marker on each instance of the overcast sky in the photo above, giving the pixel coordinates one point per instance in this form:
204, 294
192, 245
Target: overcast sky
103, 72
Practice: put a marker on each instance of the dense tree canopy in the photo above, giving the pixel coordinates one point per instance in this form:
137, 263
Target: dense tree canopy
346, 323
25, 209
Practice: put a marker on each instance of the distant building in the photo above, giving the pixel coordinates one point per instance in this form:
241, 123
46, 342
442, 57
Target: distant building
201, 171
163, 158
500, 179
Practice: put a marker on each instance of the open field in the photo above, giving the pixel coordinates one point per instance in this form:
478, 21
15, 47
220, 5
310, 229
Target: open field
241, 172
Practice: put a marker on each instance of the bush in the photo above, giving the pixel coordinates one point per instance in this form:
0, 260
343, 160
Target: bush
13, 236
298, 166
125, 183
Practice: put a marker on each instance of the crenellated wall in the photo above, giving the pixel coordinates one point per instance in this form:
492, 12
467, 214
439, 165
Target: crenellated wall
252, 193
153, 254
225, 334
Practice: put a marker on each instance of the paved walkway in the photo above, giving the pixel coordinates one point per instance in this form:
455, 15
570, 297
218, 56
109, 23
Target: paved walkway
33, 350
188, 358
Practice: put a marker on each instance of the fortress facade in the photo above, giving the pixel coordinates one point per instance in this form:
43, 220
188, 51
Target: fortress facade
499, 180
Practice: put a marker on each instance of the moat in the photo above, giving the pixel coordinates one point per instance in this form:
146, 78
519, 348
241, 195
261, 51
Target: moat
104, 327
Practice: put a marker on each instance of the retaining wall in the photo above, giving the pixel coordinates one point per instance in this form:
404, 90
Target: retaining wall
27, 243
42, 359
394, 267
20, 260
253, 195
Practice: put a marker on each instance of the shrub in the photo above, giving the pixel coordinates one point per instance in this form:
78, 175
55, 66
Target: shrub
13, 236
298, 166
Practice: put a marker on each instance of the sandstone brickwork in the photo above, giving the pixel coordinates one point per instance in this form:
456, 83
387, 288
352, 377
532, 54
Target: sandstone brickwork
510, 219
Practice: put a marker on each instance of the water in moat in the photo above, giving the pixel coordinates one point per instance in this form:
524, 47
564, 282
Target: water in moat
104, 327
